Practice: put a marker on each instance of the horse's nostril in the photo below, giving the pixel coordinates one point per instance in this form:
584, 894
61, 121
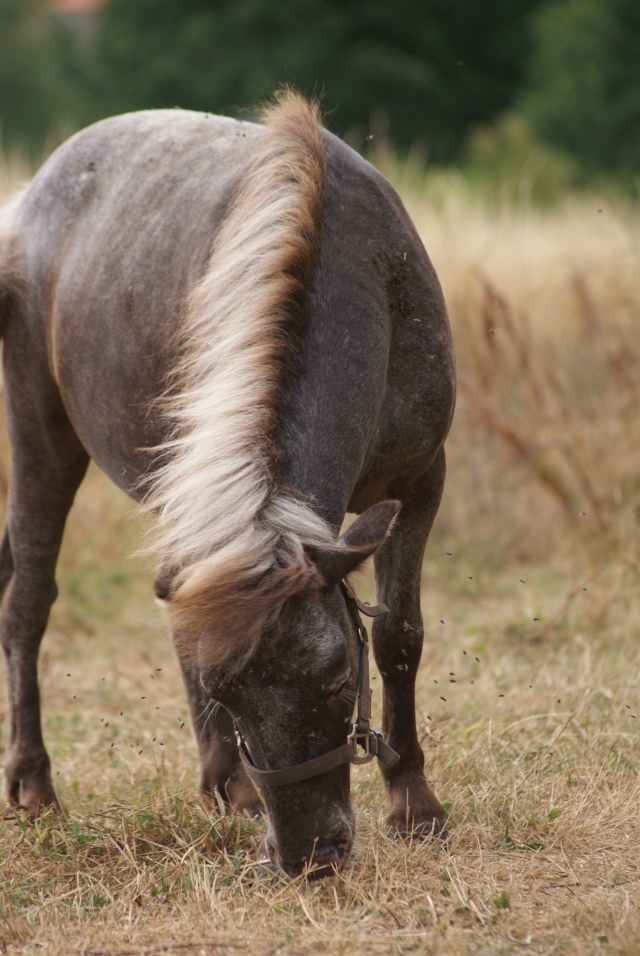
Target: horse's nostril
326, 858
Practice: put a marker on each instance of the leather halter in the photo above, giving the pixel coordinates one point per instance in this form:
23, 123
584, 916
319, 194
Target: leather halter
363, 742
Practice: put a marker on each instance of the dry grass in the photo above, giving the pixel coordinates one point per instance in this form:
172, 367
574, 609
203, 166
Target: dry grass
528, 695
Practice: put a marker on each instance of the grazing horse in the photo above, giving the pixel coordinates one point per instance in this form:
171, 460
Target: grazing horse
238, 322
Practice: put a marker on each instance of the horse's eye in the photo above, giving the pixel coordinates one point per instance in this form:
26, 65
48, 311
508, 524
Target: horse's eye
334, 692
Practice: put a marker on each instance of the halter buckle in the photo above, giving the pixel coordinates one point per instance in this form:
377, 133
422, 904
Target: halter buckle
367, 739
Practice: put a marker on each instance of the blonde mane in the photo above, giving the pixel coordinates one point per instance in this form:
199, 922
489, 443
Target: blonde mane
237, 539
11, 281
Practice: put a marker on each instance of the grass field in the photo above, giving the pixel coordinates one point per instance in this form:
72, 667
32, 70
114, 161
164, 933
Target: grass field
529, 691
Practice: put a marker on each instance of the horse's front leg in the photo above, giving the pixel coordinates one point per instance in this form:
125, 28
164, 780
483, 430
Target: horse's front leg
220, 767
46, 473
397, 642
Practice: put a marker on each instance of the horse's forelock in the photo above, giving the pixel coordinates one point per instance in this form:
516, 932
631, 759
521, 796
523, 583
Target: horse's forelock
220, 606
238, 542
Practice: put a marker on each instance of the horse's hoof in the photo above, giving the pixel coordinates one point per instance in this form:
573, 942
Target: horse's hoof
35, 812
435, 830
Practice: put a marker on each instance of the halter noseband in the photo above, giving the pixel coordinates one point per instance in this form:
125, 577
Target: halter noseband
363, 742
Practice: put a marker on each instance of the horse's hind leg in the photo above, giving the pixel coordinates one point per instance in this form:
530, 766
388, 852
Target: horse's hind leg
397, 642
45, 475
220, 767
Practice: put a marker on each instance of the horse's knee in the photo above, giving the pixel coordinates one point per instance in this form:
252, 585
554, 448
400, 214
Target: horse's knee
222, 772
27, 601
242, 795
397, 643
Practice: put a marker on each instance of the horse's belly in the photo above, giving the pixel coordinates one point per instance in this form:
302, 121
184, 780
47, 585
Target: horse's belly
111, 372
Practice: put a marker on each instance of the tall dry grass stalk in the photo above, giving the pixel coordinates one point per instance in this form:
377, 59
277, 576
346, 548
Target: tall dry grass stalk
544, 306
528, 696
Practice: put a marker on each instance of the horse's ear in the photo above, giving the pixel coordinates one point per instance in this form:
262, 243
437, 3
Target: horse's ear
358, 543
163, 584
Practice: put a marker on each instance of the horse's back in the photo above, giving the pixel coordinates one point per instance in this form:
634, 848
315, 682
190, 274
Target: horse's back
113, 232
136, 194
117, 229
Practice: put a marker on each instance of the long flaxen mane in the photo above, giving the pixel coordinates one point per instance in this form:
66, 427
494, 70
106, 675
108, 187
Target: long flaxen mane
236, 539
11, 280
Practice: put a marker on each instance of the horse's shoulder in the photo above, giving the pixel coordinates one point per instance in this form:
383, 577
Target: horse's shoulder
358, 191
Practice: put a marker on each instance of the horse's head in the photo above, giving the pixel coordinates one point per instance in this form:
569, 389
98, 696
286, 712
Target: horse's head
293, 702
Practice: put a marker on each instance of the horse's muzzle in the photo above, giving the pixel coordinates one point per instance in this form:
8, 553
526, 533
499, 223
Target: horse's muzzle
327, 857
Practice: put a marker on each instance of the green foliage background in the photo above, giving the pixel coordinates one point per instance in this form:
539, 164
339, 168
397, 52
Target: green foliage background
415, 67
35, 52
484, 85
584, 89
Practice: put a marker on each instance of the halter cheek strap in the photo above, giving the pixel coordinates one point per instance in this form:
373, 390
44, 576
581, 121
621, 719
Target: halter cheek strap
362, 744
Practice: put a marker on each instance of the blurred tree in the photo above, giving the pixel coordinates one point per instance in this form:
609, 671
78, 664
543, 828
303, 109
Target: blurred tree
36, 91
584, 91
422, 70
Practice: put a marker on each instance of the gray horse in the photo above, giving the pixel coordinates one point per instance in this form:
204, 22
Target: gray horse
240, 325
